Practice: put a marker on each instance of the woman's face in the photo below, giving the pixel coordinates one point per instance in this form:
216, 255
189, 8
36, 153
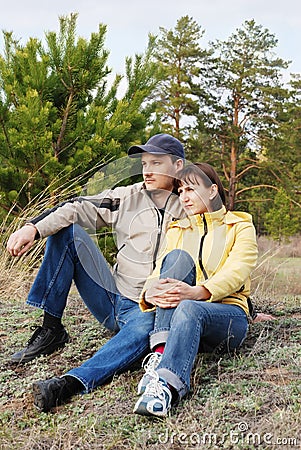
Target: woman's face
196, 197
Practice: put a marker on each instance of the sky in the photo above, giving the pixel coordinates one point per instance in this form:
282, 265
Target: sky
129, 22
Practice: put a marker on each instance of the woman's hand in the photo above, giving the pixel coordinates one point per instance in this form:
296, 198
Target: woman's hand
168, 293
262, 317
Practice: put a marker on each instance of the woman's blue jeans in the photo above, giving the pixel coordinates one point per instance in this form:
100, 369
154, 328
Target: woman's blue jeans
72, 255
193, 326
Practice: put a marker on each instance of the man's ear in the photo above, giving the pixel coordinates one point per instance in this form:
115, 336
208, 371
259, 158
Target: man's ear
179, 164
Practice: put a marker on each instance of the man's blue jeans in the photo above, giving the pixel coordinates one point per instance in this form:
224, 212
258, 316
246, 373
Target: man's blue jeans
72, 255
193, 326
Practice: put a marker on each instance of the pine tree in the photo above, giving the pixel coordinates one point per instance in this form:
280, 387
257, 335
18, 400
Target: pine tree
181, 58
59, 118
244, 89
283, 149
281, 221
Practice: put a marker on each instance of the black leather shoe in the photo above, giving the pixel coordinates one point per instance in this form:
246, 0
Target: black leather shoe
44, 341
50, 393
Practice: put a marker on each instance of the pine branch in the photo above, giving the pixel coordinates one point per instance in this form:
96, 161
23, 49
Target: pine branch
246, 169
266, 186
257, 186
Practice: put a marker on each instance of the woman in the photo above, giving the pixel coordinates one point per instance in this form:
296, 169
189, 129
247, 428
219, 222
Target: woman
199, 288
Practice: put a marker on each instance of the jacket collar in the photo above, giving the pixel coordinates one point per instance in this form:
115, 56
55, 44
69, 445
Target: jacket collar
221, 215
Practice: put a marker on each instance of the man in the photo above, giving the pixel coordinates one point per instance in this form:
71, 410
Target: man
139, 214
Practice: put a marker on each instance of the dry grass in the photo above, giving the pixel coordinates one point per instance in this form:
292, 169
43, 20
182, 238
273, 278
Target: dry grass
276, 279
289, 249
16, 273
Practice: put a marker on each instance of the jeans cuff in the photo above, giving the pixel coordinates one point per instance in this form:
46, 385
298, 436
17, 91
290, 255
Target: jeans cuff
173, 380
41, 305
157, 337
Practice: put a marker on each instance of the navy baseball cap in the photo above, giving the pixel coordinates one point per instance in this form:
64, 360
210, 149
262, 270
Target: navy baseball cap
160, 144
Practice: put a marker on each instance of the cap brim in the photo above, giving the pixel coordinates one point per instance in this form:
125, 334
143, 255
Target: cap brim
136, 150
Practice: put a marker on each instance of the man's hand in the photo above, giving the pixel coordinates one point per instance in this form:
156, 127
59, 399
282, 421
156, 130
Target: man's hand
21, 240
168, 293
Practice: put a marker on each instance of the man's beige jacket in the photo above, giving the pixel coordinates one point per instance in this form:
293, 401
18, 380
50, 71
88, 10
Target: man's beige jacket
139, 228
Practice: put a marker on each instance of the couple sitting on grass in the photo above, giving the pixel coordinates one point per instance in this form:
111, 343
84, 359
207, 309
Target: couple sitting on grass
180, 284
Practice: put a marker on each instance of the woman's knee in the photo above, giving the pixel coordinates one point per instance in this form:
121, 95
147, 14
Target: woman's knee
180, 265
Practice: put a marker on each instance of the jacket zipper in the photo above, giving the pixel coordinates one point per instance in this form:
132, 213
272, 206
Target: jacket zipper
160, 218
201, 249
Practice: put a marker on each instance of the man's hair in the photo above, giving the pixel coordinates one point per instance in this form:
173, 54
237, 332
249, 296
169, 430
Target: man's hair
175, 158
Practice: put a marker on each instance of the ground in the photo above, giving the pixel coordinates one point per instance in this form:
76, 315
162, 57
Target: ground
244, 400
248, 401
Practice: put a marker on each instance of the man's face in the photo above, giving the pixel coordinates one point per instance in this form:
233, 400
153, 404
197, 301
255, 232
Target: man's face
159, 171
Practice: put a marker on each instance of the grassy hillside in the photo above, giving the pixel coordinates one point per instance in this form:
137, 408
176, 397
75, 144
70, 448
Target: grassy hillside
246, 402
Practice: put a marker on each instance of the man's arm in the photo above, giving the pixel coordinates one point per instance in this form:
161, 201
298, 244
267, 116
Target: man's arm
91, 212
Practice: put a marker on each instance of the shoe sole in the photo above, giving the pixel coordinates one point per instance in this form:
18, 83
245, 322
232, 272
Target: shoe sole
39, 397
148, 413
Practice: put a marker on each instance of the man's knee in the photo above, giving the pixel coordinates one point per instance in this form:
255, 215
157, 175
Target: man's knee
141, 328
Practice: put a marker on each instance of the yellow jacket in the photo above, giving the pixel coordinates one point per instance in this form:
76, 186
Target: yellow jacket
224, 248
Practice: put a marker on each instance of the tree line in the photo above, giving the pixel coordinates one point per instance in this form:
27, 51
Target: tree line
62, 116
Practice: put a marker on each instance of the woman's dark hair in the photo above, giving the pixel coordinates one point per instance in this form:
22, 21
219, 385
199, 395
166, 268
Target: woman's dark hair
193, 172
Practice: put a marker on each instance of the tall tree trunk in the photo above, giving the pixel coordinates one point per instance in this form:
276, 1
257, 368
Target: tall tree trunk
233, 155
232, 179
177, 124
58, 144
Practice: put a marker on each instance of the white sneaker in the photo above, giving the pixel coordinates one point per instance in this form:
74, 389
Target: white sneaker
150, 363
156, 400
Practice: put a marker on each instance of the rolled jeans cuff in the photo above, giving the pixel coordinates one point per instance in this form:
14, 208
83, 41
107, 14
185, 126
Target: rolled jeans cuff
158, 337
173, 379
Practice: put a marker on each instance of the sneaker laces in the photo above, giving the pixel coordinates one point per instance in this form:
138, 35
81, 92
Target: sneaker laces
39, 333
155, 388
151, 361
